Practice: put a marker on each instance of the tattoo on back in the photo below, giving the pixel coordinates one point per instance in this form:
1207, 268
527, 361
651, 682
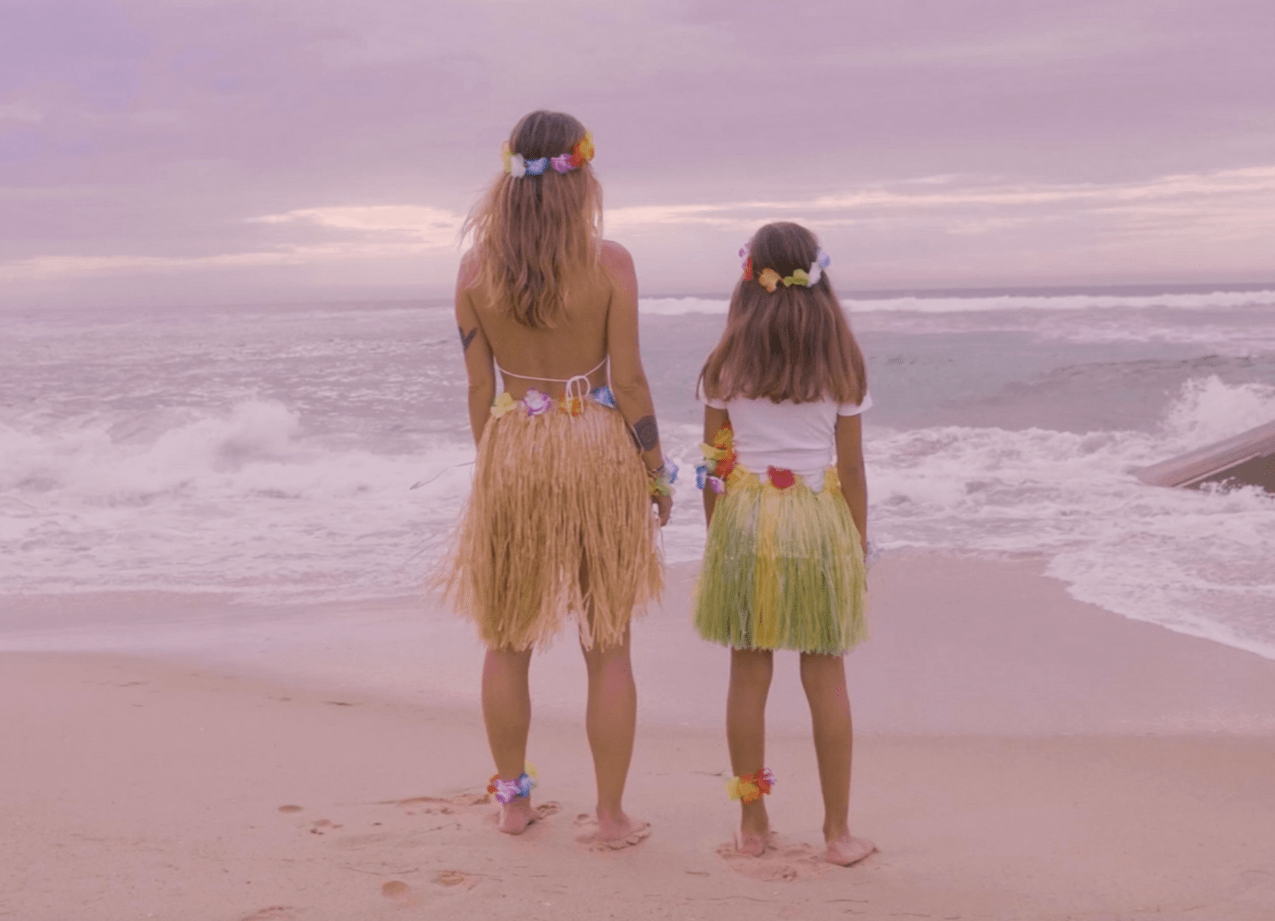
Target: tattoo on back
466, 338
646, 432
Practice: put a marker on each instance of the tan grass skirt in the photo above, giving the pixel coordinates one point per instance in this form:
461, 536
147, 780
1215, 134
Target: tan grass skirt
558, 529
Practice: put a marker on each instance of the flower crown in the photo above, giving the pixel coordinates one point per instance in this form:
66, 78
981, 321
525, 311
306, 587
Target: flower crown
517, 165
770, 279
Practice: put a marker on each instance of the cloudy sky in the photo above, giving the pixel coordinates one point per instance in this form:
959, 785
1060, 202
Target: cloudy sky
201, 151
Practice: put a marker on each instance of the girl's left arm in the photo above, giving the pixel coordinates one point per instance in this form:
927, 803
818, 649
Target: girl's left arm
478, 360
854, 483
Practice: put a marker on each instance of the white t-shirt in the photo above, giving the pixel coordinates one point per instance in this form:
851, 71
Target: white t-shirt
800, 437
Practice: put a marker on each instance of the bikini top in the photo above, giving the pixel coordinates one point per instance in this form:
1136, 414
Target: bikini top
575, 386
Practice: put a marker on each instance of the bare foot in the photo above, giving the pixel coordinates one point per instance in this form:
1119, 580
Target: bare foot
847, 850
751, 845
516, 816
612, 833
754, 830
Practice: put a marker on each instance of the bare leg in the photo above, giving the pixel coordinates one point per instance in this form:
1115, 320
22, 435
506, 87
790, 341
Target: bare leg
507, 713
611, 721
750, 673
824, 679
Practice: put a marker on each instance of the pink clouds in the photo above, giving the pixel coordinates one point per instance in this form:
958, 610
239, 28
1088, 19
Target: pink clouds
159, 132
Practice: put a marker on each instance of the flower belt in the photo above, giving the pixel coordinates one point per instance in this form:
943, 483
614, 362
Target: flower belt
536, 403
719, 461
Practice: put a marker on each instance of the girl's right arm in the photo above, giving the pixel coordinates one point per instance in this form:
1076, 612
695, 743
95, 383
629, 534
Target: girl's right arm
478, 358
854, 483
714, 421
628, 378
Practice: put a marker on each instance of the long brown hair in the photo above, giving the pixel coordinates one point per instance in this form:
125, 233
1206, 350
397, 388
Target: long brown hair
791, 344
536, 235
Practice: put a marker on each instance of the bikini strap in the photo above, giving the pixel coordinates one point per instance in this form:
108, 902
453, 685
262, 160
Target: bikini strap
575, 386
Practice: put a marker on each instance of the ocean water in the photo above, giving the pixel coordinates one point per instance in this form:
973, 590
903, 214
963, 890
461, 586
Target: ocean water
285, 453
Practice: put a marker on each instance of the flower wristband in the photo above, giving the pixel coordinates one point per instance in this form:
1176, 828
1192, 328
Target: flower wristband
663, 477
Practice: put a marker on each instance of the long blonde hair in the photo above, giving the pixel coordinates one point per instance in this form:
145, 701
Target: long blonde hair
791, 344
535, 236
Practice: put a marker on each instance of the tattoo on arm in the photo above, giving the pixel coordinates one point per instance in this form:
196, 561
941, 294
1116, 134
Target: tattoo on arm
466, 338
646, 432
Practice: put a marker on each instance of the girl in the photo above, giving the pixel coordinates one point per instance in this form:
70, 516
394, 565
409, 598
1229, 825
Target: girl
784, 563
558, 528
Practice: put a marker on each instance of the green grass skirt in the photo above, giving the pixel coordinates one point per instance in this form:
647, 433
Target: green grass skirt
783, 569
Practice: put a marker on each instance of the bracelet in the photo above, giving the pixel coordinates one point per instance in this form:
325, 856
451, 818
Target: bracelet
663, 477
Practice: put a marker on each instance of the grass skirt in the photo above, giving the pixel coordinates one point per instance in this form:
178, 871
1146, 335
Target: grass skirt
783, 569
558, 529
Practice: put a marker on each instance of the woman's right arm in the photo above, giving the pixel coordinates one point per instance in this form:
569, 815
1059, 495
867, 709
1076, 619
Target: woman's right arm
628, 378
478, 360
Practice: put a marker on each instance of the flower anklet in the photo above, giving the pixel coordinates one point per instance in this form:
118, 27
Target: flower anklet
506, 791
751, 787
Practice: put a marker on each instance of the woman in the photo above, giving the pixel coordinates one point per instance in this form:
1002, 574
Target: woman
559, 527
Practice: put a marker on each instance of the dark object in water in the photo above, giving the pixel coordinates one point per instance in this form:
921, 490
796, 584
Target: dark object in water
1247, 459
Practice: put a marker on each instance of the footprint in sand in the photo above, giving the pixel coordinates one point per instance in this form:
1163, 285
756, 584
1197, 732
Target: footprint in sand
435, 805
369, 839
542, 811
317, 827
465, 804
455, 879
400, 893
588, 826
546, 809
273, 913
782, 861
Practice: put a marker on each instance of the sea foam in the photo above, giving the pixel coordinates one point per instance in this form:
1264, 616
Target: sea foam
324, 454
241, 500
960, 302
1153, 554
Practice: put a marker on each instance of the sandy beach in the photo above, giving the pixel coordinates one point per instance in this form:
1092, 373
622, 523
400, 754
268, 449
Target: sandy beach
1019, 755
241, 363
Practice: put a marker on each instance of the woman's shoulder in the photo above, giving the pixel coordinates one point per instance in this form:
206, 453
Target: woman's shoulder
618, 265
467, 273
614, 256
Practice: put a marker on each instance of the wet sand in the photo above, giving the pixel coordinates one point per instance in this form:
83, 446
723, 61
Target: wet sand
1018, 755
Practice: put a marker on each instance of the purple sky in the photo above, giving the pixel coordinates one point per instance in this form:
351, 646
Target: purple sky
231, 150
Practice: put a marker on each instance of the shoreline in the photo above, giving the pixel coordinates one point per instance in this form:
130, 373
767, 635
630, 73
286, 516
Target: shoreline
1018, 755
973, 626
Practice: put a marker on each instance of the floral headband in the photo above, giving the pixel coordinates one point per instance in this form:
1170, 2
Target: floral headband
770, 279
517, 165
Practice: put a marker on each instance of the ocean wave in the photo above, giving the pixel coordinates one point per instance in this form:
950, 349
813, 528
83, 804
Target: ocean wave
678, 306
248, 499
1193, 561
239, 500
990, 302
1207, 410
1204, 300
